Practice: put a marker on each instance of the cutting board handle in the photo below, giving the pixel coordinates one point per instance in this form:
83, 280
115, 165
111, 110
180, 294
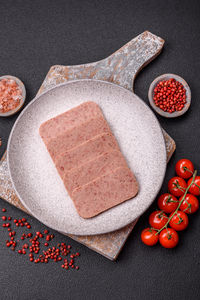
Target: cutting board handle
120, 67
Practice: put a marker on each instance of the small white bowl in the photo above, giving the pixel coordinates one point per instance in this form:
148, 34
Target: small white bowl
20, 83
160, 111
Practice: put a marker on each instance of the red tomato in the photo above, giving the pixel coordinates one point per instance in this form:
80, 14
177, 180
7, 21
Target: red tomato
177, 186
158, 219
149, 237
179, 221
168, 238
168, 203
184, 168
190, 204
195, 187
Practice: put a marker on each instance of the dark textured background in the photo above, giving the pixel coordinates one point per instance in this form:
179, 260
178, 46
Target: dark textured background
37, 34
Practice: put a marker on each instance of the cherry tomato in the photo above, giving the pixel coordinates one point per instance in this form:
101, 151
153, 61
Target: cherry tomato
184, 168
168, 238
168, 203
177, 186
195, 187
179, 221
149, 237
190, 204
158, 219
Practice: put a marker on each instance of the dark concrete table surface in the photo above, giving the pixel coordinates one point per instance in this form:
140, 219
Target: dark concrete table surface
35, 35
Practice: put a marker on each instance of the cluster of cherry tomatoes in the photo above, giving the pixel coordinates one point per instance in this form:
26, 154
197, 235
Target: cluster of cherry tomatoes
174, 207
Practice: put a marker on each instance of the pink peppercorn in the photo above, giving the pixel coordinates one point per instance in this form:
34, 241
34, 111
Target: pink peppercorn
170, 95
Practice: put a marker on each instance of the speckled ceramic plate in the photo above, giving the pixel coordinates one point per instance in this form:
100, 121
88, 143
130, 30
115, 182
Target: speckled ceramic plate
34, 175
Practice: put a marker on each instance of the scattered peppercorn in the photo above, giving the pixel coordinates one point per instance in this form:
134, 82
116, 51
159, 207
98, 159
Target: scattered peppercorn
53, 253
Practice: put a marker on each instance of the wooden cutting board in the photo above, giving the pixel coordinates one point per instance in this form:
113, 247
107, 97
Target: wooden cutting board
121, 68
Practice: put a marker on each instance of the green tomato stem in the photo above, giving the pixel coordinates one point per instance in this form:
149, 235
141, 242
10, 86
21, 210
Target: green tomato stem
186, 169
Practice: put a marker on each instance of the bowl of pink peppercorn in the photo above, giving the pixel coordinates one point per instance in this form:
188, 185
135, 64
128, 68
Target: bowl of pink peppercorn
169, 95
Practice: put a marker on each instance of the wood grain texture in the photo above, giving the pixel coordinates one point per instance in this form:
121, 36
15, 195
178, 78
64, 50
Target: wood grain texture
121, 68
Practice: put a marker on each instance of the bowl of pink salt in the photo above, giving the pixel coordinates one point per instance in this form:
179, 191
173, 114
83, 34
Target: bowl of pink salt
12, 95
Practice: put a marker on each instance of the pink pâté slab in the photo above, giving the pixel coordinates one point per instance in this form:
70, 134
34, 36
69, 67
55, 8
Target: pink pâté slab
90, 151
74, 137
69, 119
93, 169
105, 192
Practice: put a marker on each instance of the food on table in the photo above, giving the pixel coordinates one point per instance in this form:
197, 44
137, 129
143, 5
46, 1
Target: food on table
184, 168
10, 95
149, 236
34, 243
93, 169
68, 120
179, 221
158, 219
85, 152
190, 204
169, 238
177, 208
76, 136
88, 159
105, 192
177, 186
168, 203
195, 187
170, 95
